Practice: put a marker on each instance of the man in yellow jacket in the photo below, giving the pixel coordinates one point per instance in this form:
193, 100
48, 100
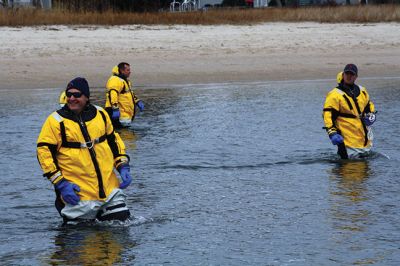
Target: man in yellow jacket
121, 102
63, 99
348, 115
78, 151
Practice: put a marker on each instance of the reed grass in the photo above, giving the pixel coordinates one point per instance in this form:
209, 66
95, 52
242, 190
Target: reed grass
339, 14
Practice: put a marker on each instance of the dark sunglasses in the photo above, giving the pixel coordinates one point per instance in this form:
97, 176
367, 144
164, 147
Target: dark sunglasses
77, 94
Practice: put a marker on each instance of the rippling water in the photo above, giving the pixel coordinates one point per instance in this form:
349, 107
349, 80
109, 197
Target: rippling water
232, 174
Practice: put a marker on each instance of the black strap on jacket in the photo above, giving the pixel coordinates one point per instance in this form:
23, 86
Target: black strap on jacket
77, 145
348, 101
92, 153
362, 122
336, 113
109, 94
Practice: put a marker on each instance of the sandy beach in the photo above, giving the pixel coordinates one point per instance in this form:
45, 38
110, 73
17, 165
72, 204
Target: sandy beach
49, 56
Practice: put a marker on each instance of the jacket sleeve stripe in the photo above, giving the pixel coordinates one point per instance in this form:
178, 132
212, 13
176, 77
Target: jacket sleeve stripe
53, 150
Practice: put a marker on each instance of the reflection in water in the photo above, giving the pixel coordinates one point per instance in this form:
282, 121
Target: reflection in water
351, 171
350, 194
129, 137
90, 246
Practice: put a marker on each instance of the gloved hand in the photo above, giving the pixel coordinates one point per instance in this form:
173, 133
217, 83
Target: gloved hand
336, 139
115, 114
124, 172
140, 104
67, 191
369, 119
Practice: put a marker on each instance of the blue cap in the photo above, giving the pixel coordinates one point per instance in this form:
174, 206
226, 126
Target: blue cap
80, 84
351, 68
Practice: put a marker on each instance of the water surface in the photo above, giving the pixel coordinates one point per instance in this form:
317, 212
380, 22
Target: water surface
228, 174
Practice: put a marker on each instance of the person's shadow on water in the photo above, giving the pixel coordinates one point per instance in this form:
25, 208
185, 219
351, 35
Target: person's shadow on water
91, 245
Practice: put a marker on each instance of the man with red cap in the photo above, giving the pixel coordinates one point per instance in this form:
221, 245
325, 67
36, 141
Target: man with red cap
78, 151
348, 115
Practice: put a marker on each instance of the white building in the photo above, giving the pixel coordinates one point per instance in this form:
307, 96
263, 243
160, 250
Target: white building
42, 3
19, 2
202, 3
260, 3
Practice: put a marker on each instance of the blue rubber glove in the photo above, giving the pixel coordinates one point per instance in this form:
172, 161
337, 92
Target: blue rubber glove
369, 119
140, 104
115, 114
124, 172
336, 139
67, 191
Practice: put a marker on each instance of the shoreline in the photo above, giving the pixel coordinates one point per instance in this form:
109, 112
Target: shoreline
48, 57
360, 81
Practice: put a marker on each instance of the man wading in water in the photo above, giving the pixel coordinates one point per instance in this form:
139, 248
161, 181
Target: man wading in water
348, 115
78, 151
121, 101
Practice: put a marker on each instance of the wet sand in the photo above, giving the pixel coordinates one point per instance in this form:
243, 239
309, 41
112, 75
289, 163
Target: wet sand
49, 56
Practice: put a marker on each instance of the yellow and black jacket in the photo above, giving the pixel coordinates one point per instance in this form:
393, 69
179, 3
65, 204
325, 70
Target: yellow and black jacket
120, 95
83, 149
343, 111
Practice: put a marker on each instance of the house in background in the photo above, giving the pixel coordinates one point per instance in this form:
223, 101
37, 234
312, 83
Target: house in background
46, 4
293, 3
260, 3
208, 3
190, 5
